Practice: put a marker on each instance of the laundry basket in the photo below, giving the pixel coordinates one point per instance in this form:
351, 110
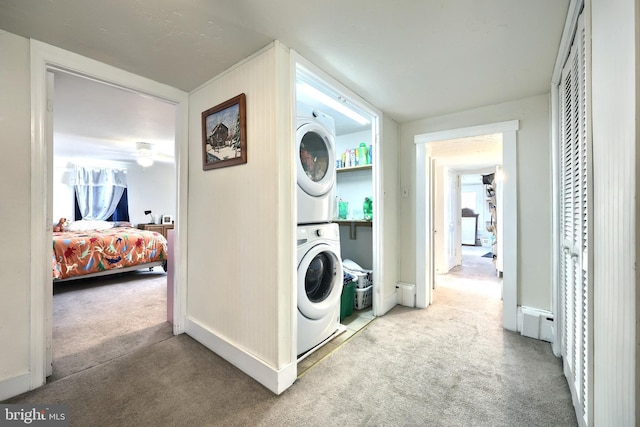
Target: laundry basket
363, 298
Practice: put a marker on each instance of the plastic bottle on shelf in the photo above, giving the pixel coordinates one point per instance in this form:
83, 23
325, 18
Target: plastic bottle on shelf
370, 153
367, 208
362, 154
352, 156
343, 163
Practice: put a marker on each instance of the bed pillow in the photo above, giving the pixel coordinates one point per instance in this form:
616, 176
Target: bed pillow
122, 224
87, 225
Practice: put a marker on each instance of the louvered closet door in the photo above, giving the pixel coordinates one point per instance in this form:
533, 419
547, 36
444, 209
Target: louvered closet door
575, 187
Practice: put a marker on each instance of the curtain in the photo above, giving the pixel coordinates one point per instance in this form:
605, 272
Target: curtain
98, 191
121, 214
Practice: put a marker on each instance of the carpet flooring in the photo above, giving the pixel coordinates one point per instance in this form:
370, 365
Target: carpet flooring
100, 319
451, 364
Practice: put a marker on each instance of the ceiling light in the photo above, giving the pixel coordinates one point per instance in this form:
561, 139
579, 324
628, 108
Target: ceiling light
331, 103
145, 156
145, 162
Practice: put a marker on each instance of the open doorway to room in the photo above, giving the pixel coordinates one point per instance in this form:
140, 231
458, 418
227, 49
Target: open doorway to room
465, 220
45, 60
426, 144
97, 130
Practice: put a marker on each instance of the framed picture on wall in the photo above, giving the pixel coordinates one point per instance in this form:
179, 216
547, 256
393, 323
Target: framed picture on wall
224, 135
167, 219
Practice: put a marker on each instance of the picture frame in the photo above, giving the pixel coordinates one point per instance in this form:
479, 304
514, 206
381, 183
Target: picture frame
167, 219
224, 134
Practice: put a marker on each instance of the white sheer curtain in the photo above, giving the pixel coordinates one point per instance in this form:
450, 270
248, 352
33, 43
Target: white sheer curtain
98, 191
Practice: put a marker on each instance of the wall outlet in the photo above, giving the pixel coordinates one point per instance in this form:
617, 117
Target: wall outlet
405, 191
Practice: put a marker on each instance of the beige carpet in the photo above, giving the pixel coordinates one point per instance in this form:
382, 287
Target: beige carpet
449, 365
101, 319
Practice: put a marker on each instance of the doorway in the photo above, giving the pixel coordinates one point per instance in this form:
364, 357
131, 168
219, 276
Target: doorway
425, 204
45, 58
355, 171
465, 214
96, 127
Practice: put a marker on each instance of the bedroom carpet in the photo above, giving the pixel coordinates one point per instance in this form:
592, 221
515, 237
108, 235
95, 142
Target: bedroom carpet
449, 365
101, 319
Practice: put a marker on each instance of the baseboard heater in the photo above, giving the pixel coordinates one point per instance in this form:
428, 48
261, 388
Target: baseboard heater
406, 294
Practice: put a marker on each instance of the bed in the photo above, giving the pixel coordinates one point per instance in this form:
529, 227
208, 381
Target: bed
87, 252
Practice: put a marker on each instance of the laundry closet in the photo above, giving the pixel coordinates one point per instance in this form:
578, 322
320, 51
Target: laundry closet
335, 210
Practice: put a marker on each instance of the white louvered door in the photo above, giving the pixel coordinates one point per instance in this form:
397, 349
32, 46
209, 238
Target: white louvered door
575, 188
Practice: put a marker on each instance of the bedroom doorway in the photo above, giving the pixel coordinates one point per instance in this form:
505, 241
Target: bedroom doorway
97, 127
46, 59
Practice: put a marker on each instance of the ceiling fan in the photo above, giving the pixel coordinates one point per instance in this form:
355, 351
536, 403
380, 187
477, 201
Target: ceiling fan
143, 153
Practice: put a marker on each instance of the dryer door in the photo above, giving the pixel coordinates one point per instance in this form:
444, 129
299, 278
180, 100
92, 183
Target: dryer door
319, 281
316, 169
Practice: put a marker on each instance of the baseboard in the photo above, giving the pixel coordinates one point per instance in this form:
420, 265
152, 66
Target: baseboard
388, 303
276, 380
14, 386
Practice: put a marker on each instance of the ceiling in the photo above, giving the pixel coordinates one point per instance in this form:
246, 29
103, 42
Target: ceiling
107, 130
411, 59
474, 154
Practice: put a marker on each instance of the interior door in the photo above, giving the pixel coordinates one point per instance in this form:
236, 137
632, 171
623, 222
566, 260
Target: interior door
575, 289
452, 220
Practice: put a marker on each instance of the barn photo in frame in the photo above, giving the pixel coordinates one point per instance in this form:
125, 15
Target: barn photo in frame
224, 140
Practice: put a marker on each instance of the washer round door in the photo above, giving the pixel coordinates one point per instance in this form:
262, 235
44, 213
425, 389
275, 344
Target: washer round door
319, 281
316, 159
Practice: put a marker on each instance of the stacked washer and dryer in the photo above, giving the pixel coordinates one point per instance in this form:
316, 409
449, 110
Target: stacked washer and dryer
319, 263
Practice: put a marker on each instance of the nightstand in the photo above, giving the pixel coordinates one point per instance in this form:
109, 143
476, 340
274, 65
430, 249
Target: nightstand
158, 228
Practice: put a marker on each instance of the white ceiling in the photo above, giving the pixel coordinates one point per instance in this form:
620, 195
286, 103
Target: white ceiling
410, 58
95, 120
474, 154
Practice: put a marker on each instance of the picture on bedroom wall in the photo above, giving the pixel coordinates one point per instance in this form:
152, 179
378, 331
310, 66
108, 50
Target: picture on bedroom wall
224, 135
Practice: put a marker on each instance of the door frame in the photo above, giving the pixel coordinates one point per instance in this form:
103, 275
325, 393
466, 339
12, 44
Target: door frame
45, 57
424, 218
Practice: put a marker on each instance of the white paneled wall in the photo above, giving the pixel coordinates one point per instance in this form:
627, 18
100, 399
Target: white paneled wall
240, 218
614, 103
16, 210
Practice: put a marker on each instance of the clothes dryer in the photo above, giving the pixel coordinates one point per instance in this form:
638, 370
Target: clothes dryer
319, 285
316, 166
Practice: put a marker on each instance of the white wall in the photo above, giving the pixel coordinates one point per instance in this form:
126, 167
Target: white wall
152, 188
240, 238
15, 122
615, 160
534, 188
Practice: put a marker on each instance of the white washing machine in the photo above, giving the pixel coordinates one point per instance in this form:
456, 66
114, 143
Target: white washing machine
316, 166
319, 285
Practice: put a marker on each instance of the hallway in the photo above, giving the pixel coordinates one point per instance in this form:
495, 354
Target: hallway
476, 275
451, 364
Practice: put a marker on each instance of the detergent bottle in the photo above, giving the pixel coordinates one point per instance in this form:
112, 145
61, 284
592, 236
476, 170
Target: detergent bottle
367, 209
362, 154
